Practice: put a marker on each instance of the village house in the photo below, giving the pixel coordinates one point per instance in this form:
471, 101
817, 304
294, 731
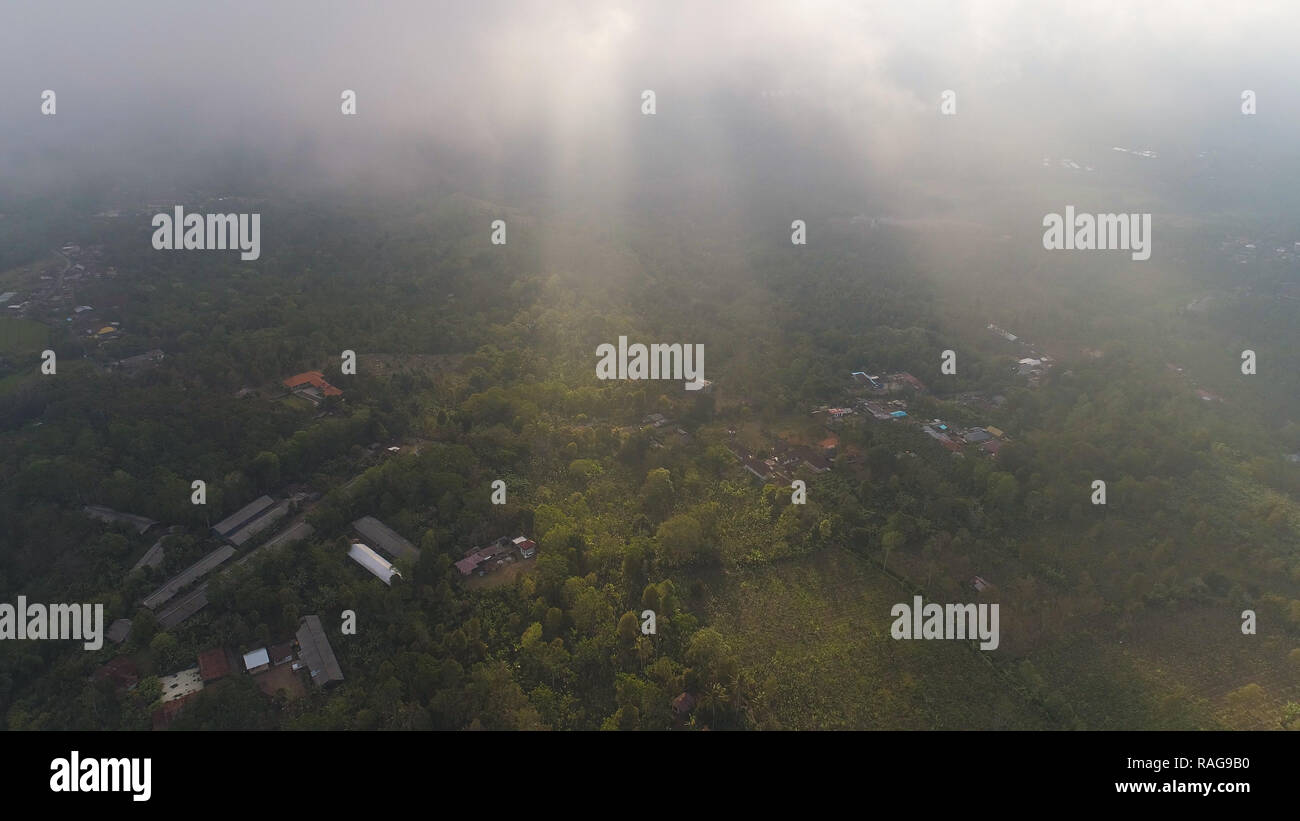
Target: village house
311, 385
214, 664
257, 660
483, 560
281, 653
121, 671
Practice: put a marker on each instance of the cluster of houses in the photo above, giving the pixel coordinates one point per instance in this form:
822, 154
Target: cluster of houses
307, 656
786, 459
1034, 366
987, 440
1243, 251
505, 550
890, 383
54, 297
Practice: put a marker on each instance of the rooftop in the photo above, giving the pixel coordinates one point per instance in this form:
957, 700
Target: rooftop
314, 378
385, 538
256, 658
213, 664
316, 653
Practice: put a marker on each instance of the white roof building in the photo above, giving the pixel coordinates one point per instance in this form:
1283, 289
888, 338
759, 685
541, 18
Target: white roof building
373, 562
181, 684
256, 659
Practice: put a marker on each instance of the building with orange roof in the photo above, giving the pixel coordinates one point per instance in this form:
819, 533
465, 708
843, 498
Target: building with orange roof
312, 379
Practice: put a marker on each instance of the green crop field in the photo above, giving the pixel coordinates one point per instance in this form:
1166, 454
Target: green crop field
19, 336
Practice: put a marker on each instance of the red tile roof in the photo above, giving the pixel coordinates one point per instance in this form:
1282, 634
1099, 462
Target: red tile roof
315, 379
213, 664
166, 714
121, 671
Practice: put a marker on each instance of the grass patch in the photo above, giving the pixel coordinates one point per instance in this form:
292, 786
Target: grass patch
20, 336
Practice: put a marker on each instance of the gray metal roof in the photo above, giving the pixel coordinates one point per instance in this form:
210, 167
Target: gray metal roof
243, 516
380, 535
183, 607
258, 524
184, 578
316, 652
107, 514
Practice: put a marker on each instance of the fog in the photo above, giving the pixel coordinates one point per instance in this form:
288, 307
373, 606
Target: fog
824, 101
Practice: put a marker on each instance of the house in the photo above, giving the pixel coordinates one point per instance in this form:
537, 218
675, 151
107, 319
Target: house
179, 685
1030, 367
257, 660
214, 664
311, 379
816, 462
837, 414
281, 653
994, 431
980, 584
527, 547
386, 539
976, 435
476, 558
991, 447
121, 671
373, 562
119, 630
316, 654
898, 414
875, 410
